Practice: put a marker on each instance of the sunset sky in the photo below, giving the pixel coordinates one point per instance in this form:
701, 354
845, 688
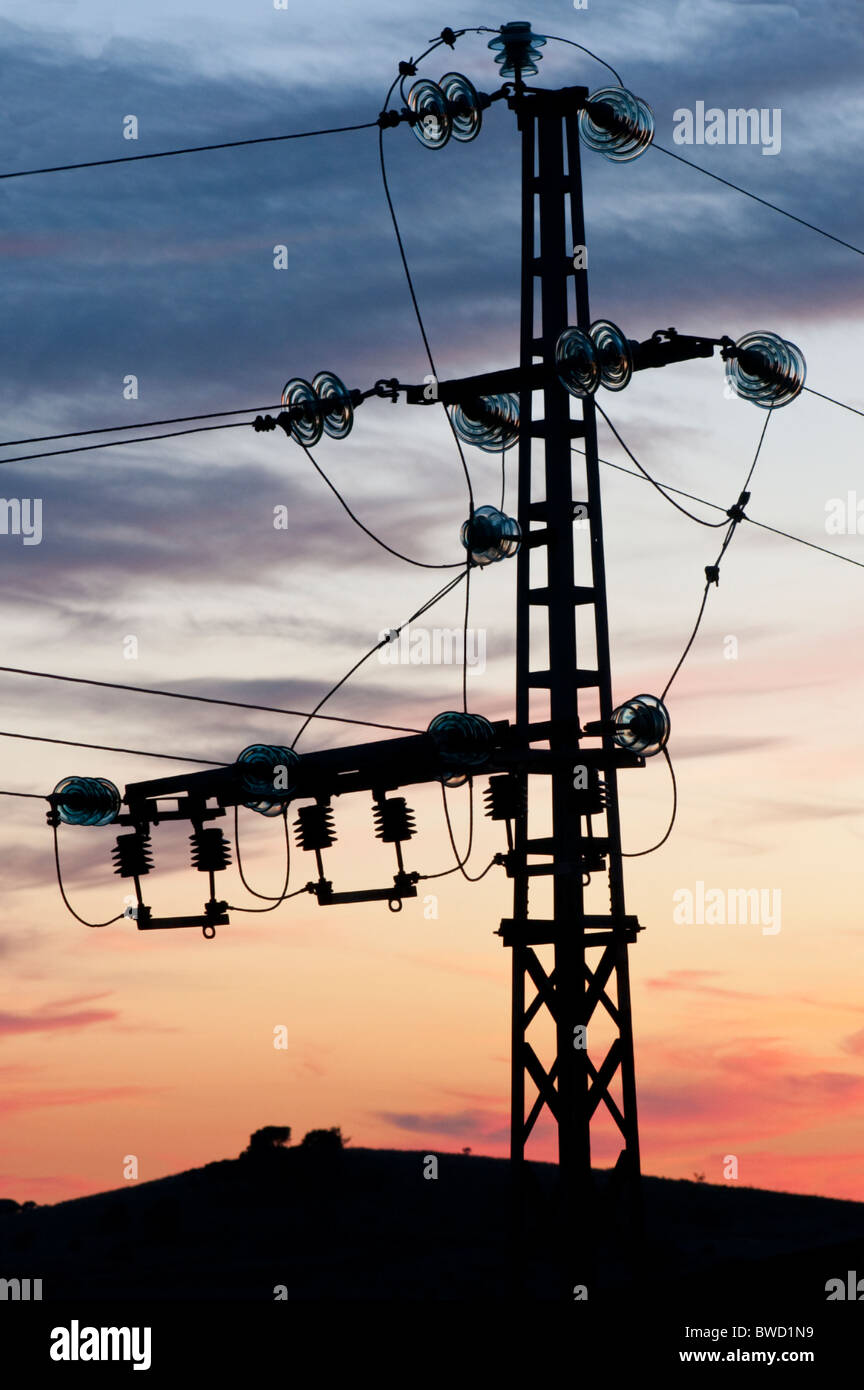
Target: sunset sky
160, 1045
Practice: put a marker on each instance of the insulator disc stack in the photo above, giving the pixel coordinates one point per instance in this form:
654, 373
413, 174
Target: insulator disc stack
211, 852
463, 741
86, 801
300, 399
132, 855
576, 362
314, 827
337, 410
616, 124
264, 768
767, 370
506, 797
463, 106
613, 354
642, 725
490, 423
434, 124
490, 535
518, 49
394, 820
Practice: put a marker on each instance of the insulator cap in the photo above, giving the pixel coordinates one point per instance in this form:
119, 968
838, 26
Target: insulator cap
463, 106
642, 725
262, 769
463, 741
489, 535
767, 370
211, 852
506, 797
394, 820
491, 423
434, 125
86, 801
616, 124
314, 827
132, 855
519, 49
306, 424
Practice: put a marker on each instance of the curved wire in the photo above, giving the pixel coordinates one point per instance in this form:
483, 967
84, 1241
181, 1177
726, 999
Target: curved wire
637, 854
418, 315
692, 515
269, 897
715, 506
66, 901
421, 564
555, 38
709, 580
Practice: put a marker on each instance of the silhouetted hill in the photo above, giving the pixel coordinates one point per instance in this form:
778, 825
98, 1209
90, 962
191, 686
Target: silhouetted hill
366, 1224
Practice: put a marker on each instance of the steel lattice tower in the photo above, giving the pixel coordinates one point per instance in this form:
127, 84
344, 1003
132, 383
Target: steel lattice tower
589, 952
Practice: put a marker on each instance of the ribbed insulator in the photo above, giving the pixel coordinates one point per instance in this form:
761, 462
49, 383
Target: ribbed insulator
591, 800
211, 852
132, 855
314, 827
506, 797
393, 820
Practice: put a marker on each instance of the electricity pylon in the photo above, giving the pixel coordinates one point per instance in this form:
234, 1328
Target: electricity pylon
570, 972
589, 951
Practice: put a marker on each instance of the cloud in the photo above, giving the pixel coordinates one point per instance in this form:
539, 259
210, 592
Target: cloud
74, 1097
44, 1022
466, 1124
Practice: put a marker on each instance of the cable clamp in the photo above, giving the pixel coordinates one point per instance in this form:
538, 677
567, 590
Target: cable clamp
736, 513
389, 118
407, 69
263, 422
388, 389
447, 36
712, 574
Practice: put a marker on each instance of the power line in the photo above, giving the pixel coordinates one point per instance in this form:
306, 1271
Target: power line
108, 748
418, 315
764, 201
712, 572
650, 479
762, 525
556, 39
190, 149
831, 399
421, 564
378, 645
202, 699
112, 443
141, 425
638, 854
66, 901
